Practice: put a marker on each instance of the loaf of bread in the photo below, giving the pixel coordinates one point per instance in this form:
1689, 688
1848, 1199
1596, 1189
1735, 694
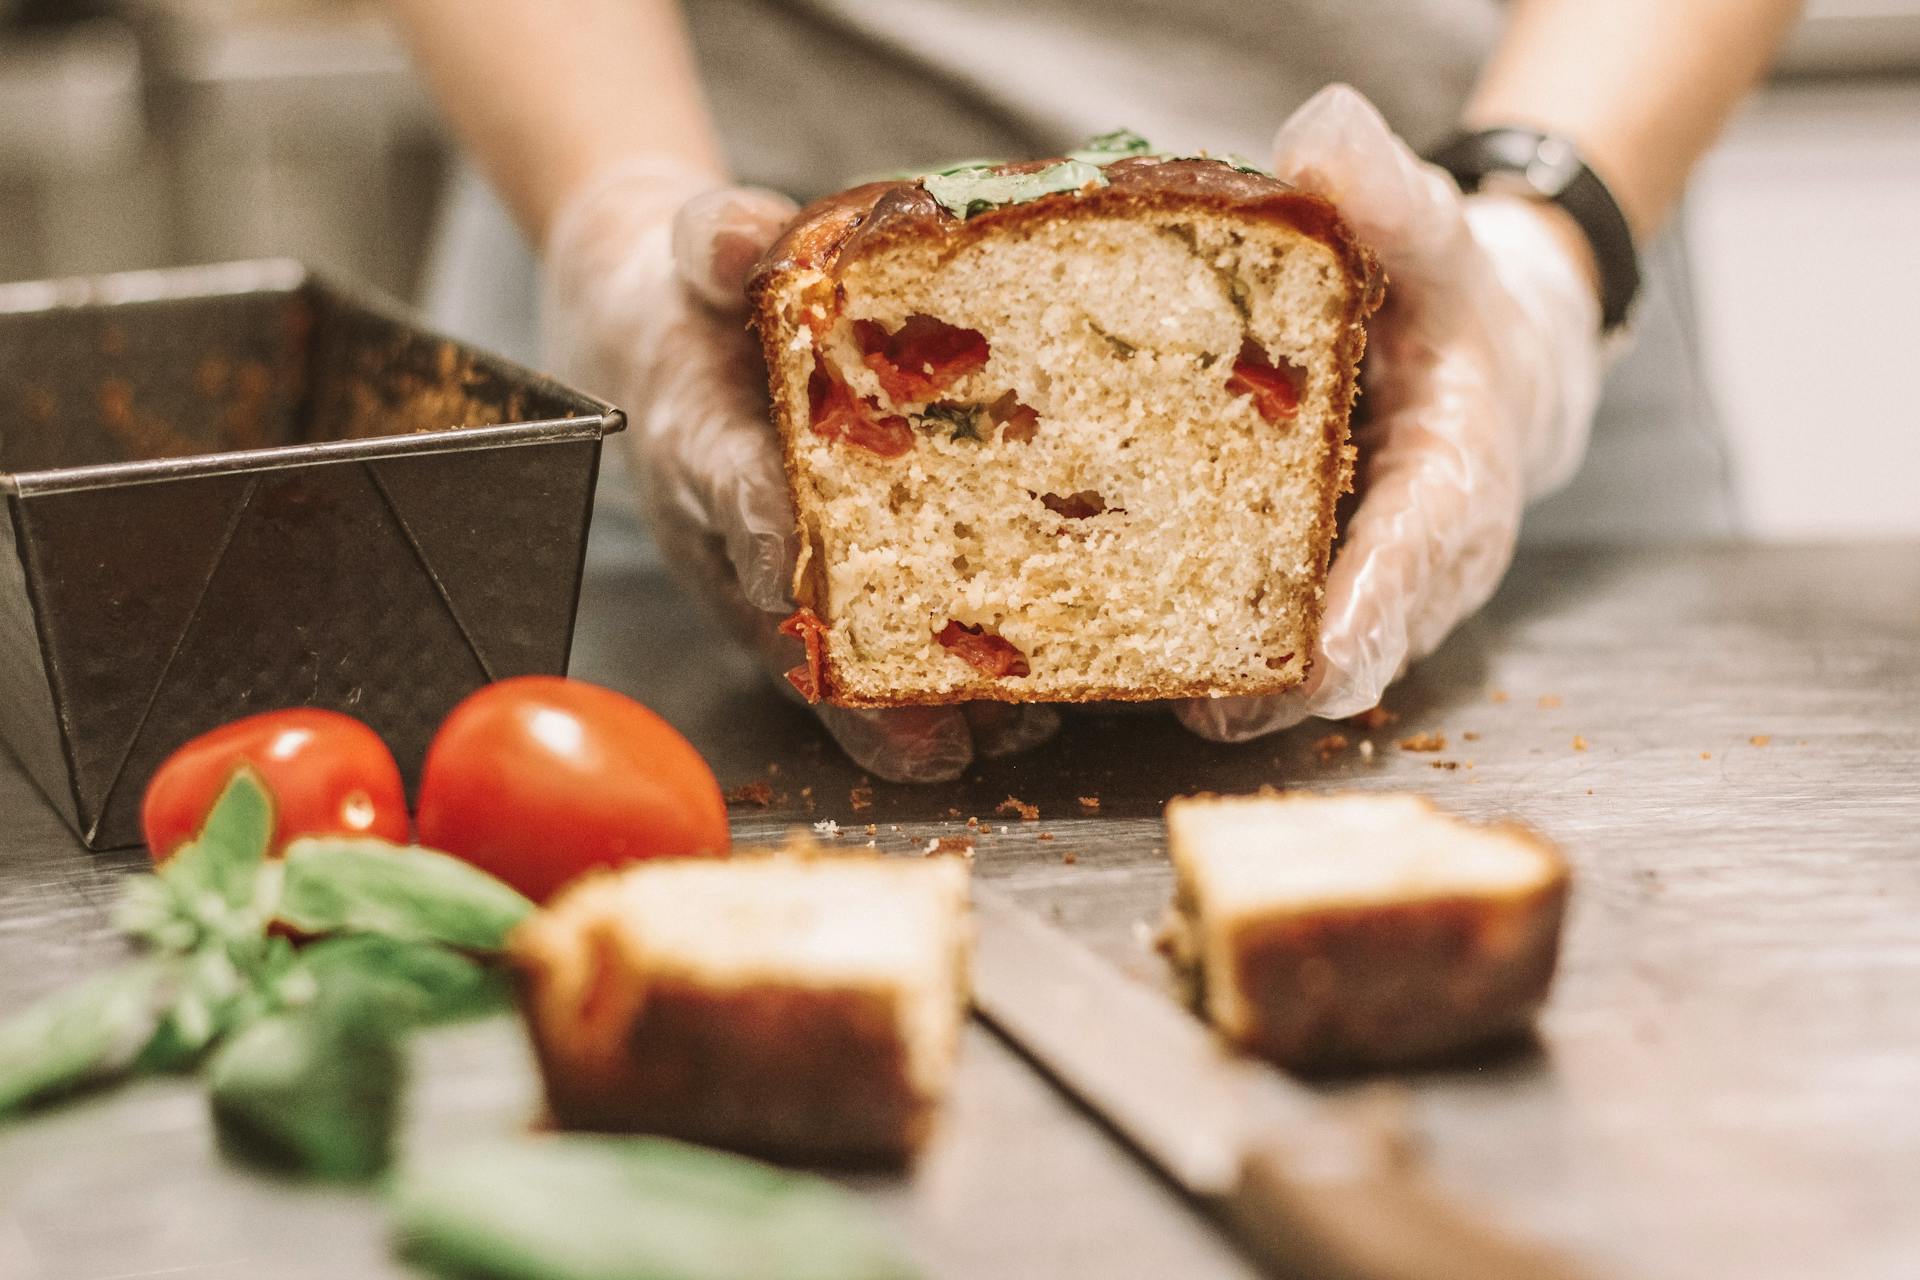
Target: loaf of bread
1349, 931
799, 1006
1063, 431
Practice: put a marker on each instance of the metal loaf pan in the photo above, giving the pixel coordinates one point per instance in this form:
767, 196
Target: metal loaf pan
241, 487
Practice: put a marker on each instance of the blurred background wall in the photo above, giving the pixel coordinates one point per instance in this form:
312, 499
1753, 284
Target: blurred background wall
138, 133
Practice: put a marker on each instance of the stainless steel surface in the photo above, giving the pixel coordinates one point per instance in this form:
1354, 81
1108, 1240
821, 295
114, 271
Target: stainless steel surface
1725, 1079
235, 488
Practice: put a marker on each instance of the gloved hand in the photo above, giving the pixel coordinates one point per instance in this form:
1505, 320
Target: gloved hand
1482, 373
643, 304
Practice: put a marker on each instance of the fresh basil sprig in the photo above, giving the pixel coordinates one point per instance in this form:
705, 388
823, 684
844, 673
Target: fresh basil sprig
594, 1207
965, 192
303, 1048
1123, 144
369, 886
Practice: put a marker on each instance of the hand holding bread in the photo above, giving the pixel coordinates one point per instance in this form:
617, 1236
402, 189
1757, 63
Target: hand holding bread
1479, 389
644, 273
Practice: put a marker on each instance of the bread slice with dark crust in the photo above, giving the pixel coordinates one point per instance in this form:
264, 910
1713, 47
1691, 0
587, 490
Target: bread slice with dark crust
1084, 447
1341, 932
792, 1003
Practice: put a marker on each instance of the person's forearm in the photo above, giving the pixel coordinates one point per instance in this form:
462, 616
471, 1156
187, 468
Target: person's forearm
1642, 87
545, 93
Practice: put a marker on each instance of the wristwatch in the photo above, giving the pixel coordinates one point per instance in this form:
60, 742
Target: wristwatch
1545, 167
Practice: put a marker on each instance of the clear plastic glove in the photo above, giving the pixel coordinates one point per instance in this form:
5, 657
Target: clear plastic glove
644, 274
1482, 373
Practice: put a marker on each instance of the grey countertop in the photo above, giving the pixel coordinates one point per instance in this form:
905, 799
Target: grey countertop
1724, 1083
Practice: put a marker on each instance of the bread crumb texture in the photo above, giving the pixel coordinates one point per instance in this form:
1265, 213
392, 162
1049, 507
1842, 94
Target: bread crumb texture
1080, 456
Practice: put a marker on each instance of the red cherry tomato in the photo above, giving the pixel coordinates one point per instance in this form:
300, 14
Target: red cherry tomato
329, 774
538, 779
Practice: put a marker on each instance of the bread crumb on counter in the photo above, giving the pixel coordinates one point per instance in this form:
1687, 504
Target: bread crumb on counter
757, 794
1498, 695
861, 798
827, 827
1366, 751
1069, 857
1044, 835
1549, 701
1424, 742
1760, 739
1470, 736
1374, 718
1089, 804
1014, 805
1330, 746
1706, 755
955, 846
1443, 764
1579, 743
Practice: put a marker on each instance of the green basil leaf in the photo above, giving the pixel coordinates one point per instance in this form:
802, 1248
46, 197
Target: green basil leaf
966, 192
313, 1090
1105, 148
592, 1207
84, 1035
215, 880
209, 996
418, 895
150, 910
421, 982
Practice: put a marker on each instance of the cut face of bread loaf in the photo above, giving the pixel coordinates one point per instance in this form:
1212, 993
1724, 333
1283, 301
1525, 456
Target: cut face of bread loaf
795, 1005
1085, 447
1346, 931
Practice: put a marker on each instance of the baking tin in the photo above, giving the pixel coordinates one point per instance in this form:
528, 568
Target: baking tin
242, 487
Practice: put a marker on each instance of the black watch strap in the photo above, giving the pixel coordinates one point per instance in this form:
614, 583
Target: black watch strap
1549, 168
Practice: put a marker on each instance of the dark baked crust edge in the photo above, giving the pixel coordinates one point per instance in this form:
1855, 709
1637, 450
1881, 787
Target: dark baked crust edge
866, 219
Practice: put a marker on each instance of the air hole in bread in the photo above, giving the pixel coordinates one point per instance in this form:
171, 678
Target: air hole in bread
1279, 663
920, 359
1080, 505
989, 654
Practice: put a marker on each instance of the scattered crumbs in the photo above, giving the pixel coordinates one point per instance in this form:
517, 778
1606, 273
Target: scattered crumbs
953, 813
1498, 695
827, 827
1706, 755
757, 794
1803, 742
861, 798
941, 846
973, 824
1003, 831
1761, 739
1579, 743
1424, 742
1548, 701
1374, 718
773, 768
1443, 764
872, 830
894, 827
1470, 736
1069, 857
1366, 751
1589, 790
873, 844
1045, 835
1013, 804
1330, 746
1089, 804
